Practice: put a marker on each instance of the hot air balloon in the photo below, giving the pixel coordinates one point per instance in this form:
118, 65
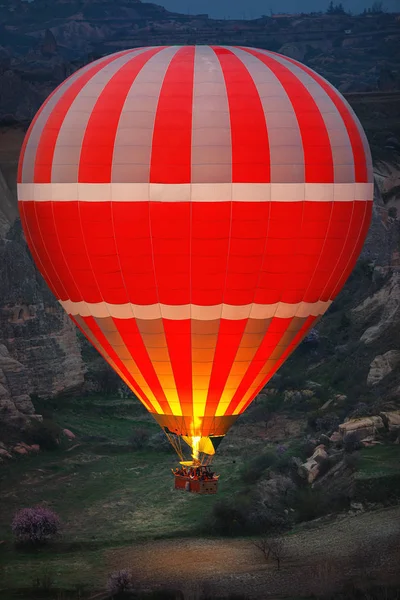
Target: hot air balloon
195, 210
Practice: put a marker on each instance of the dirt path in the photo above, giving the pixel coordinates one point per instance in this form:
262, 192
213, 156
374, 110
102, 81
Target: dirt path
356, 547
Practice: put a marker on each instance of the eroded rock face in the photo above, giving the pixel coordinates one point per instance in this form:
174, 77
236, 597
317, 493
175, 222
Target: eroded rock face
386, 303
362, 428
311, 468
44, 340
392, 420
40, 353
383, 365
15, 402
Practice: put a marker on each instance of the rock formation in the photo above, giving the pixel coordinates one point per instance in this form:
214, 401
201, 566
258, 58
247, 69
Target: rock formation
383, 365
15, 402
385, 303
39, 352
361, 428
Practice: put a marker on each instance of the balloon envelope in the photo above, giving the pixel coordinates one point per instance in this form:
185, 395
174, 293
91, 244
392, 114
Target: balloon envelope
195, 210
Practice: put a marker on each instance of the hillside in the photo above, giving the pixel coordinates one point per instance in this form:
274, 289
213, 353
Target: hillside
42, 42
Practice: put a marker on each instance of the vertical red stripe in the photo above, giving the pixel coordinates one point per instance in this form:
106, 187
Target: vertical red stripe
343, 233
250, 146
171, 250
368, 206
131, 336
172, 136
360, 159
98, 143
72, 255
28, 133
272, 337
229, 337
34, 216
127, 378
50, 226
178, 337
318, 157
25, 209
99, 335
48, 139
292, 346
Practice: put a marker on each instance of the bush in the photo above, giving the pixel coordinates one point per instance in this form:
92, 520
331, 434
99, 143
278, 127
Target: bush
228, 518
306, 449
138, 439
308, 504
327, 423
271, 500
351, 443
352, 461
120, 584
256, 467
360, 410
35, 525
46, 434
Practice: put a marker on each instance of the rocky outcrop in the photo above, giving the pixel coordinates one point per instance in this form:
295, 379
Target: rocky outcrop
34, 329
391, 420
385, 303
17, 450
48, 348
362, 428
49, 44
8, 205
310, 470
15, 402
383, 365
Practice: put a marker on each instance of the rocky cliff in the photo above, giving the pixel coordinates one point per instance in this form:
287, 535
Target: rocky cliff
39, 350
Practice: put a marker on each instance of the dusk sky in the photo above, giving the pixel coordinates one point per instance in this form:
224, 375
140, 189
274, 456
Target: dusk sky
239, 9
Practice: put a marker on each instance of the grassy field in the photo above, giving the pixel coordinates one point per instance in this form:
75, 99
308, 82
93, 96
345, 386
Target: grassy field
106, 494
104, 491
379, 461
113, 500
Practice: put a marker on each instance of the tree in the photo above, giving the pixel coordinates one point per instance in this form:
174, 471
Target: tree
335, 9
377, 8
120, 583
274, 548
35, 525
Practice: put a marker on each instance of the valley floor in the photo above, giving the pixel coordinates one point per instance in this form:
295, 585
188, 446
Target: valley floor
119, 511
360, 549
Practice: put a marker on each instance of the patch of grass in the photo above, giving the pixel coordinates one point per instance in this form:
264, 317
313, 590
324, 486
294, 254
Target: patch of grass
378, 476
104, 498
379, 461
106, 492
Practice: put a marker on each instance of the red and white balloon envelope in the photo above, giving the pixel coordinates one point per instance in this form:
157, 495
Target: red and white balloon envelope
195, 210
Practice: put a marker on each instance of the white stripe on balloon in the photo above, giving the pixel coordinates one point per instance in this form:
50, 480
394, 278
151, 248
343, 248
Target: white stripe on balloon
195, 192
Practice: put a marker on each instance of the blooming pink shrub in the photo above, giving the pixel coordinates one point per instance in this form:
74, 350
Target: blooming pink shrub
119, 583
35, 525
